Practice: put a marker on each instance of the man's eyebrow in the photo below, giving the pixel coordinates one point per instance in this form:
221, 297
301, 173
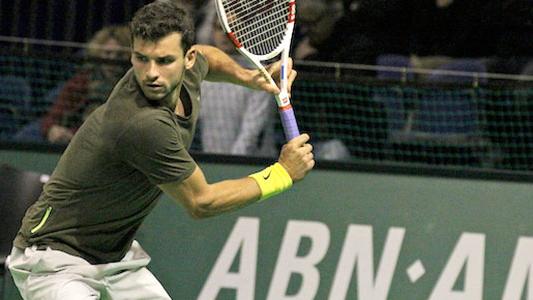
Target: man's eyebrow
159, 57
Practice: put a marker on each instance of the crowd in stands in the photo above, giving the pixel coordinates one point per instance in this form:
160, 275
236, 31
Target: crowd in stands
359, 31
473, 35
450, 35
76, 98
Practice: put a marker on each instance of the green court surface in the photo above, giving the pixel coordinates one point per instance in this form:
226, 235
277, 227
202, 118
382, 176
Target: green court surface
344, 233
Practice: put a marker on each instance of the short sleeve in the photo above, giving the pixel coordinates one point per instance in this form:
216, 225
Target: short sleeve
200, 69
152, 145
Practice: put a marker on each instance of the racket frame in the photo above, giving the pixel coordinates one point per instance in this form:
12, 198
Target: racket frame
282, 99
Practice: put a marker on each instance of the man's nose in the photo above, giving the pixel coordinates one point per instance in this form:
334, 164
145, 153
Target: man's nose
152, 71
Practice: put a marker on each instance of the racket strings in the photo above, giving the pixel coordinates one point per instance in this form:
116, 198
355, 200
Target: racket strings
268, 24
250, 20
259, 26
268, 43
270, 29
239, 6
256, 9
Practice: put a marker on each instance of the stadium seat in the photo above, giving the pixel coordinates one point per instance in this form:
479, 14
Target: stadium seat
462, 65
394, 60
51, 96
18, 190
15, 101
444, 120
451, 111
393, 97
450, 116
31, 132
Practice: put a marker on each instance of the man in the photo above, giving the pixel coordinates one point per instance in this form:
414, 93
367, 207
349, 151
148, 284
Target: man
77, 240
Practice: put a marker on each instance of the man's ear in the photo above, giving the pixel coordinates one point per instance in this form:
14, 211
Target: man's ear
190, 58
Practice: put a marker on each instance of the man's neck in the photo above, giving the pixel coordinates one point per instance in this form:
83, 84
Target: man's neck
172, 99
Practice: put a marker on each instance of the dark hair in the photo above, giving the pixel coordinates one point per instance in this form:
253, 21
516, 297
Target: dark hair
160, 18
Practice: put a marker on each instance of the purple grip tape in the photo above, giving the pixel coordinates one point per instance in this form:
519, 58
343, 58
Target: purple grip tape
289, 123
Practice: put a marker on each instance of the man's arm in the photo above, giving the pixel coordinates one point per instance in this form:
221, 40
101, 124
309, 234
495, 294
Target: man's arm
204, 200
223, 68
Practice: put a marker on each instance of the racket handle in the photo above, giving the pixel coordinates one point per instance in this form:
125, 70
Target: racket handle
288, 120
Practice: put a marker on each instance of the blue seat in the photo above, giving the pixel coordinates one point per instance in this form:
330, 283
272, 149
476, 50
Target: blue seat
473, 66
393, 97
31, 132
441, 118
454, 110
397, 61
15, 103
51, 96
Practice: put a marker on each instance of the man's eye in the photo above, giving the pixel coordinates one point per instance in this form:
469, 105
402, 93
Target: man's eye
165, 61
142, 58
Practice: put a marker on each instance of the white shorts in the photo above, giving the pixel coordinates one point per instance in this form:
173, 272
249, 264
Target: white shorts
55, 275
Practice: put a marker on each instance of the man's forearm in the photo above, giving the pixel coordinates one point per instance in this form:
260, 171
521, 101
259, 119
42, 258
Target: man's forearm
229, 195
224, 68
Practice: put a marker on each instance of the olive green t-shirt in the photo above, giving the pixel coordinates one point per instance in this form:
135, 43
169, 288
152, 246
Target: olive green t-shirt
105, 183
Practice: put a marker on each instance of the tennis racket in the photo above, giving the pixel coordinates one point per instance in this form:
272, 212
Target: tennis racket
260, 30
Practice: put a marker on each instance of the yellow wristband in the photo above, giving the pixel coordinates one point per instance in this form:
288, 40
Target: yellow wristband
272, 180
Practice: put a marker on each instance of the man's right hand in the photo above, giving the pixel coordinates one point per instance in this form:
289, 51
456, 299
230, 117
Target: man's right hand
59, 135
297, 157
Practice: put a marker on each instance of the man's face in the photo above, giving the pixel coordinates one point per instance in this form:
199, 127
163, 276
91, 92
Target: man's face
159, 65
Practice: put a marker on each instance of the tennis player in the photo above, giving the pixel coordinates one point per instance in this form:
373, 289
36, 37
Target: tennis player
77, 240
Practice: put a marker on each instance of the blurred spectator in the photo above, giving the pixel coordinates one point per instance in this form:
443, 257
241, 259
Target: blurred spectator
15, 101
352, 31
514, 45
528, 68
90, 86
200, 10
517, 19
453, 28
234, 119
499, 31
205, 28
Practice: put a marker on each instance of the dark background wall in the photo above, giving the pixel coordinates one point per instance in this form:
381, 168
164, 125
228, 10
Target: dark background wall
463, 28
63, 20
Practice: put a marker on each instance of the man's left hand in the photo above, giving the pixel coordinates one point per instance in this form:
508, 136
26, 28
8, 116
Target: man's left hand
274, 69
